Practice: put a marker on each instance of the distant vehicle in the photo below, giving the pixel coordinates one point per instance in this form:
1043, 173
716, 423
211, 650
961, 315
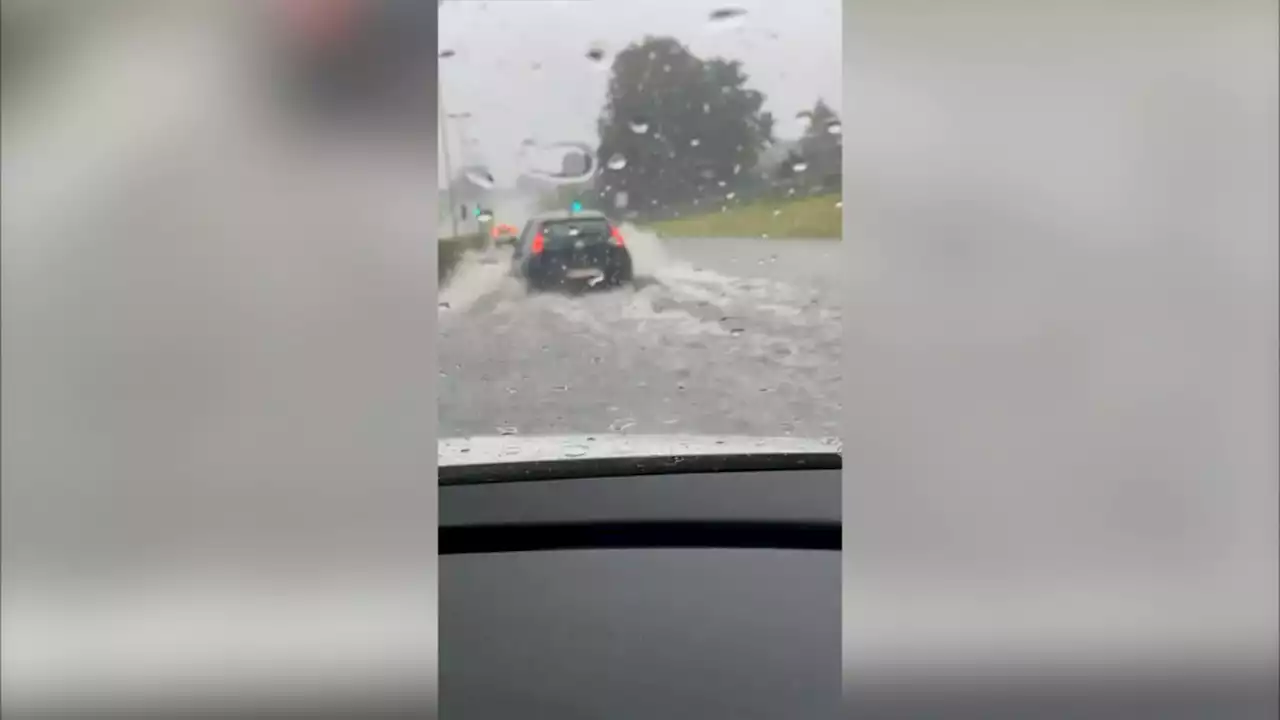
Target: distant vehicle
573, 250
504, 234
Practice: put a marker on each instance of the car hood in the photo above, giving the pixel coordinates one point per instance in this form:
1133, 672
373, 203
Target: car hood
491, 449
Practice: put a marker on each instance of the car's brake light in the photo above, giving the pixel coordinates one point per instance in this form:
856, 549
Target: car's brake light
537, 244
617, 237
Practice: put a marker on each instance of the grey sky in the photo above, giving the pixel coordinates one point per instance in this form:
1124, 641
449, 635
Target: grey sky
521, 71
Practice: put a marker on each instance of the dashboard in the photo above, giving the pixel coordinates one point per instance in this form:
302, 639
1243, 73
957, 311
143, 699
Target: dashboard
684, 595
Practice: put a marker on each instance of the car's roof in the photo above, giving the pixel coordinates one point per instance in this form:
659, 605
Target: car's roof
570, 215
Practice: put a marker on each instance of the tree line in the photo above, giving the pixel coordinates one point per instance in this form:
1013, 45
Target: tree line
678, 130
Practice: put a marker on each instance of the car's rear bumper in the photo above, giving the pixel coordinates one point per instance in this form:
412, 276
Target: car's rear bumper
549, 270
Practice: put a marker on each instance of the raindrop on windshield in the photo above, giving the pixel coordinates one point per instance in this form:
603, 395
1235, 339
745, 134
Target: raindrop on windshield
617, 162
776, 213
561, 163
480, 177
639, 126
736, 332
803, 119
727, 16
730, 196
507, 430
834, 127
695, 142
799, 166
575, 450
595, 53
445, 54
839, 203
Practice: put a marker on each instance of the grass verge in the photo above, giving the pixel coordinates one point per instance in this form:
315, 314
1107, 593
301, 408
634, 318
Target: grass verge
819, 216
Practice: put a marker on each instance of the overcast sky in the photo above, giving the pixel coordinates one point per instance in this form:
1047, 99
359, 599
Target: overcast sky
520, 68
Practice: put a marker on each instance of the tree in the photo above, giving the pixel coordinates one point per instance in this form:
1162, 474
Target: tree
675, 127
820, 147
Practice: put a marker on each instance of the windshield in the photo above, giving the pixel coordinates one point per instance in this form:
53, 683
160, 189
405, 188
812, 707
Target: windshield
675, 170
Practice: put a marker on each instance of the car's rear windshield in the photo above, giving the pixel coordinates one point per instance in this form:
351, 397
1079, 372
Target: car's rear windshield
563, 232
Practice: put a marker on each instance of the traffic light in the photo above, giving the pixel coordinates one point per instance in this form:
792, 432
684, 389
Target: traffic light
575, 207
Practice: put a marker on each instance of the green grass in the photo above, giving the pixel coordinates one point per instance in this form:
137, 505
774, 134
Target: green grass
810, 217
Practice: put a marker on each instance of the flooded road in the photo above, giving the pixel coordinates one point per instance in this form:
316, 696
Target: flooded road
735, 336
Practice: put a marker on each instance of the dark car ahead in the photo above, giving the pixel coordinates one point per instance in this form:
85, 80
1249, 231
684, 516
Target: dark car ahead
571, 250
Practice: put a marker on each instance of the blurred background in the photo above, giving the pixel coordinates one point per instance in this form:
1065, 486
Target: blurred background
217, 402
1061, 409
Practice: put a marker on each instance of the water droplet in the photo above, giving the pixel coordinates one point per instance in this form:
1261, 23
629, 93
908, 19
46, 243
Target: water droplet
736, 332
764, 236
560, 388
803, 120
776, 213
484, 216
737, 168
799, 166
507, 430
575, 450
560, 163
730, 196
727, 16
596, 53
617, 162
445, 54
639, 126
512, 391
444, 305
834, 127
695, 142
706, 108
839, 203
479, 177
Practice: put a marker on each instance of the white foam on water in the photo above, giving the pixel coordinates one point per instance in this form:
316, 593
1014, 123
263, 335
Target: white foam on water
648, 253
472, 280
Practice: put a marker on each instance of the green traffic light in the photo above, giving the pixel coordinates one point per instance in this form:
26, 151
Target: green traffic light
576, 207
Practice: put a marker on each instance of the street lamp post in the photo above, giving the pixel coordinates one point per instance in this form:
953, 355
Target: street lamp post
448, 167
